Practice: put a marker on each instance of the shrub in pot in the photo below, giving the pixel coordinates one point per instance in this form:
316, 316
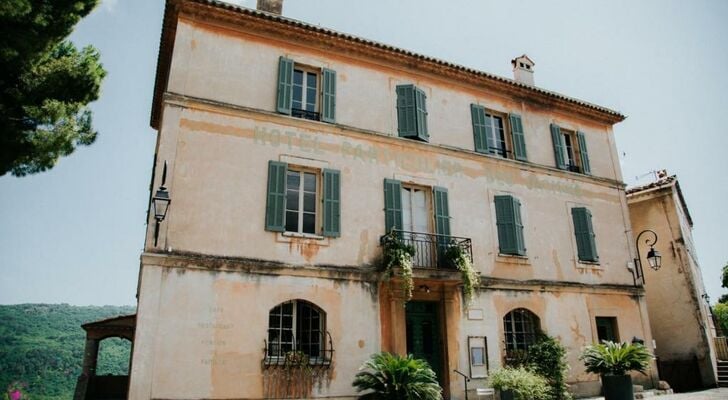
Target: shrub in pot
388, 376
614, 361
519, 383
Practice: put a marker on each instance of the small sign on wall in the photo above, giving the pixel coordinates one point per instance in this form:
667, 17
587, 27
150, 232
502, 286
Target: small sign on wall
478, 355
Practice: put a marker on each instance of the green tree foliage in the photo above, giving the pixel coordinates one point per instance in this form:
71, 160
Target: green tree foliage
524, 383
724, 277
41, 346
388, 376
721, 314
45, 84
547, 358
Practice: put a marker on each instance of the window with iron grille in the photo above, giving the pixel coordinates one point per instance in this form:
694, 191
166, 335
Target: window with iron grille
296, 325
521, 328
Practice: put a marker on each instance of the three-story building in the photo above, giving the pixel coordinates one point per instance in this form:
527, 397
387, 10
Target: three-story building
291, 149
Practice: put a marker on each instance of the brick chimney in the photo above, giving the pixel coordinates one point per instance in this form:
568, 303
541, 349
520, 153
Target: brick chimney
271, 6
523, 69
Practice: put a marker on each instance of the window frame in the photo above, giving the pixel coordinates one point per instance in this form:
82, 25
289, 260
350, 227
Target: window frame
529, 338
613, 325
318, 213
575, 155
429, 201
275, 358
303, 112
507, 150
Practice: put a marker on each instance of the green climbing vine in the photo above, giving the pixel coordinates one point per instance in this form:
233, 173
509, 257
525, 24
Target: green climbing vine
471, 278
398, 254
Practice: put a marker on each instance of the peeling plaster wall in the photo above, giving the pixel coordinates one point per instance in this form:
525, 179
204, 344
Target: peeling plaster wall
240, 68
679, 316
203, 332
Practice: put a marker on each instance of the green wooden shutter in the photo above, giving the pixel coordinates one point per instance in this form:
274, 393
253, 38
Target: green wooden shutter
285, 85
421, 103
392, 205
406, 111
518, 226
328, 107
519, 140
504, 223
276, 199
332, 203
583, 153
477, 114
584, 233
510, 227
442, 213
558, 140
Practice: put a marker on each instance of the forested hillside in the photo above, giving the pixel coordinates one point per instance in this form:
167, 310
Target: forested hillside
41, 346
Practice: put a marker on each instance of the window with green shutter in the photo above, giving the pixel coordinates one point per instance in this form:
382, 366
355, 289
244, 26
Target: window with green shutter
583, 153
306, 92
559, 146
392, 205
411, 112
509, 225
584, 232
285, 85
518, 138
332, 203
442, 212
276, 199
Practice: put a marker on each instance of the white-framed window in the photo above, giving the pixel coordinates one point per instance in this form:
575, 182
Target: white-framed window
496, 134
301, 200
306, 93
572, 164
296, 325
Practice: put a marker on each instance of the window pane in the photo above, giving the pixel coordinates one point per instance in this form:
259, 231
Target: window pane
297, 89
294, 180
309, 182
311, 80
292, 200
309, 202
309, 223
292, 221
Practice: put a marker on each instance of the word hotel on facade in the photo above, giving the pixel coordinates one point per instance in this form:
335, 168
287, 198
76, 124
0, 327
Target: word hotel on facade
291, 150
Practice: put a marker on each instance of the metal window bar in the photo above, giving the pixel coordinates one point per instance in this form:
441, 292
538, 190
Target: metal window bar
300, 113
430, 248
573, 168
501, 152
307, 352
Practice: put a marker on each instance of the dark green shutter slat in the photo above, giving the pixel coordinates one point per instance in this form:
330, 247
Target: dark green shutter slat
519, 140
285, 85
406, 111
411, 112
518, 226
332, 203
583, 153
510, 227
276, 199
477, 114
558, 141
392, 205
421, 108
328, 107
442, 212
584, 233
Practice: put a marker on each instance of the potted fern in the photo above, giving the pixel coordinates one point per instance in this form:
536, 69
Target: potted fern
389, 376
613, 362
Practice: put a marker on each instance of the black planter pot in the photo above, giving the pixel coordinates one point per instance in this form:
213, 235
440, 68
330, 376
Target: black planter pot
617, 387
507, 395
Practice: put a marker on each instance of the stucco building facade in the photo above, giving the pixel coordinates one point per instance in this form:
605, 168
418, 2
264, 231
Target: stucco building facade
680, 316
291, 150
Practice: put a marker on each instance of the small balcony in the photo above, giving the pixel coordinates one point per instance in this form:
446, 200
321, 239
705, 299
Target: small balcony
299, 113
431, 248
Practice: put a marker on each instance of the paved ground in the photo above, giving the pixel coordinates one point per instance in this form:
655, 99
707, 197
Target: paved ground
712, 394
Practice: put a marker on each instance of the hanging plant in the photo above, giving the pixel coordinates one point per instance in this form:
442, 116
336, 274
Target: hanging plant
296, 359
471, 278
398, 254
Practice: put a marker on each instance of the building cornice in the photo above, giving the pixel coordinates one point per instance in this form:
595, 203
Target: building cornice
365, 134
293, 31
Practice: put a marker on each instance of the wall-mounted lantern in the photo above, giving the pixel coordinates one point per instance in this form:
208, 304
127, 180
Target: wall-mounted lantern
654, 259
160, 203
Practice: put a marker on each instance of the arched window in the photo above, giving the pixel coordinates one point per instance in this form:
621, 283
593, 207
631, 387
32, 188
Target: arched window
299, 326
520, 327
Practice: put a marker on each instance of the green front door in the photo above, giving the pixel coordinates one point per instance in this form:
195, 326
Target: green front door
423, 333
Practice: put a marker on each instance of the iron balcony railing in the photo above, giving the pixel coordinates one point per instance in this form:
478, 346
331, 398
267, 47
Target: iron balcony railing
431, 249
299, 113
316, 350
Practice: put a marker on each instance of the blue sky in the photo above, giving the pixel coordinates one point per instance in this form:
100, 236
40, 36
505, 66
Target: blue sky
74, 234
